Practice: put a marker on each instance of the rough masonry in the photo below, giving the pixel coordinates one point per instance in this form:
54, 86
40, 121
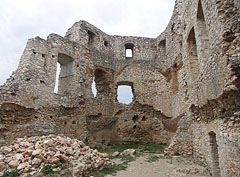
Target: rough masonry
185, 84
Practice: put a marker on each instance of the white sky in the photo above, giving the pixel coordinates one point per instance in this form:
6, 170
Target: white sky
24, 19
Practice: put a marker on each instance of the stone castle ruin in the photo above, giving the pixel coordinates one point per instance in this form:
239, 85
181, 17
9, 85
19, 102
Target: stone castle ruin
185, 82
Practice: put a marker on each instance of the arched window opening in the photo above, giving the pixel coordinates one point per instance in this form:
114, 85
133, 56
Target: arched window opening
162, 47
192, 55
214, 155
94, 89
64, 74
101, 83
129, 50
125, 93
202, 37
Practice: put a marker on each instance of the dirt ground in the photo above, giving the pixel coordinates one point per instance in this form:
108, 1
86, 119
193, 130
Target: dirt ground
176, 166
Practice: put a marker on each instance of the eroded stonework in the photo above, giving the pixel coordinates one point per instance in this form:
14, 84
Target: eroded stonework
185, 84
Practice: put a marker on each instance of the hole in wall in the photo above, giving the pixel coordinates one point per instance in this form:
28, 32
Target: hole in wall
43, 55
42, 81
144, 118
129, 53
57, 78
180, 44
91, 37
162, 47
106, 43
135, 118
172, 28
101, 83
129, 50
125, 94
64, 73
94, 89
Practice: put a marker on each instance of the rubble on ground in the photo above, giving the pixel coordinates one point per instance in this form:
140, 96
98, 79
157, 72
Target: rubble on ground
30, 155
128, 152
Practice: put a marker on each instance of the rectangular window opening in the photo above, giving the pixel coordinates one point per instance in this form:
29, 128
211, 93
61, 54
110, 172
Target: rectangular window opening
129, 53
129, 50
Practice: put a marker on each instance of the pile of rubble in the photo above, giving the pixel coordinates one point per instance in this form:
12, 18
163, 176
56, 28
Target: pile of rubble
30, 155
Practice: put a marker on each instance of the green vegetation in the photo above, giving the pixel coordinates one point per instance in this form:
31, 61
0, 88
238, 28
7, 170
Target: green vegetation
48, 169
115, 169
140, 148
176, 153
10, 173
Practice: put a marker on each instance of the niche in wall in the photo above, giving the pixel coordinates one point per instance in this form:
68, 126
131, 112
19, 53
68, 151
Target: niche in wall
202, 37
91, 37
162, 47
214, 154
192, 55
101, 83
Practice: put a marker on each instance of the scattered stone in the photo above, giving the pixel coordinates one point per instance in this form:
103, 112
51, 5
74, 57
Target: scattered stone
22, 166
36, 161
30, 155
128, 152
57, 169
1, 166
13, 163
36, 152
115, 154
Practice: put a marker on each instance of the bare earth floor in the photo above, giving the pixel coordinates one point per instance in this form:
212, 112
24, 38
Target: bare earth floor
162, 167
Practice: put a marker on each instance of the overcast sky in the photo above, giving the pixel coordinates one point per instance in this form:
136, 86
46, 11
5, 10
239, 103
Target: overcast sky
24, 19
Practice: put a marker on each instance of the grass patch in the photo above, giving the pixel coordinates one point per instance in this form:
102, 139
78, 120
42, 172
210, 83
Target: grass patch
10, 173
115, 169
140, 149
110, 171
47, 171
176, 154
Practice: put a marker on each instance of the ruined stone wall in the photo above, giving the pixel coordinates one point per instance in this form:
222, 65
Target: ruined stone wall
217, 50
